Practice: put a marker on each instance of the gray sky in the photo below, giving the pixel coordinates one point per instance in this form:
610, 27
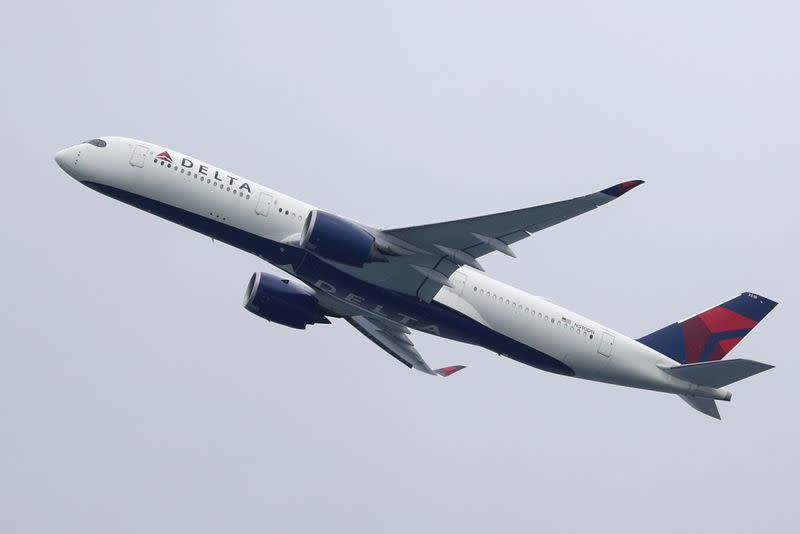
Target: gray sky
136, 395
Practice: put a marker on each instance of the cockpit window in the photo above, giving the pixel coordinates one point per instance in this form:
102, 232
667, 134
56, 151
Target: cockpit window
97, 142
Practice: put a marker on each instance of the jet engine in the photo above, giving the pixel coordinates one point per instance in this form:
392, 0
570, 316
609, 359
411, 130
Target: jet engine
282, 301
338, 239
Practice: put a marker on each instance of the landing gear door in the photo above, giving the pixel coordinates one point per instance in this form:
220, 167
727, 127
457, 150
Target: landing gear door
139, 155
264, 204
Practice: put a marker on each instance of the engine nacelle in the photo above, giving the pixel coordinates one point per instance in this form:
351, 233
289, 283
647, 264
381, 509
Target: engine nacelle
338, 239
282, 301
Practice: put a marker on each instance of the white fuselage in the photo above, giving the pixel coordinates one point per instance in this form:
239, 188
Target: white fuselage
591, 350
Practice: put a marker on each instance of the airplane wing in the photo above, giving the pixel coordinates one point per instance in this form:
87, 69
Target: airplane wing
439, 249
394, 340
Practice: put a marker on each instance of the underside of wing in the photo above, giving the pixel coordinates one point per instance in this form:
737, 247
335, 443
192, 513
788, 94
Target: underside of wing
394, 340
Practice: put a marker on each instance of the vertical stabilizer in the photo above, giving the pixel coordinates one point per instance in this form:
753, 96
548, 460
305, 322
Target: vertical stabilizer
712, 334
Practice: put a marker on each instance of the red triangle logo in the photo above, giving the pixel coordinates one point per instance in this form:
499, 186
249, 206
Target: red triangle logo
164, 156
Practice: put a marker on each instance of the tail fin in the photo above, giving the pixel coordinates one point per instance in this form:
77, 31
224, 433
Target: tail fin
710, 335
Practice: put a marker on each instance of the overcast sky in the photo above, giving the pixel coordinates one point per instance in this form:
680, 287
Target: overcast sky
138, 396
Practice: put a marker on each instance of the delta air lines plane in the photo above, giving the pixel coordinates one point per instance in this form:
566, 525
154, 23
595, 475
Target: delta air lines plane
388, 282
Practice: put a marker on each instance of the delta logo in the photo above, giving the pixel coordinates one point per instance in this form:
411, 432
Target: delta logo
213, 176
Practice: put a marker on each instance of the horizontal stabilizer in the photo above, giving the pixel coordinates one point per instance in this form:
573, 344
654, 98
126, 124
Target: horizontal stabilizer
447, 371
717, 374
702, 404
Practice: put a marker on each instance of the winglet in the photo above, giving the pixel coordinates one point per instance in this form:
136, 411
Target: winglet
620, 189
447, 371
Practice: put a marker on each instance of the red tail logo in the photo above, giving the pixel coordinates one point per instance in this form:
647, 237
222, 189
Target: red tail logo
164, 156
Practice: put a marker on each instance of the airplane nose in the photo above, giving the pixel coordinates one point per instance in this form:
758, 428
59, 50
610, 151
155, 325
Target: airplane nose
67, 159
63, 158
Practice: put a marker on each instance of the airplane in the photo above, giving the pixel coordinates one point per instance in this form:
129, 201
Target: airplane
388, 282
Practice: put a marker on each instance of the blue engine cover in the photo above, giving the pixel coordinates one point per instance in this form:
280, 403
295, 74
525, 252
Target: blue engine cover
282, 301
338, 239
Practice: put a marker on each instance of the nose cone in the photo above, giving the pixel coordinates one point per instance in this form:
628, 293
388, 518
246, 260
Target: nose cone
62, 158
67, 159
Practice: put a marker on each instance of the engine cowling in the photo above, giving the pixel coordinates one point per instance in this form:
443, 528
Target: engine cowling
338, 239
282, 301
